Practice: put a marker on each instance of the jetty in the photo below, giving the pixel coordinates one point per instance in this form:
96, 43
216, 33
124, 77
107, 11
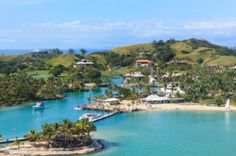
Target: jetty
6, 141
105, 116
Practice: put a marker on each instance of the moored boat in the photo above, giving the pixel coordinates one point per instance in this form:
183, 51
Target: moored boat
77, 108
39, 105
90, 116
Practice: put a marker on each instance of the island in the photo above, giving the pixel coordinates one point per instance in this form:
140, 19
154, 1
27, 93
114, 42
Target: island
62, 138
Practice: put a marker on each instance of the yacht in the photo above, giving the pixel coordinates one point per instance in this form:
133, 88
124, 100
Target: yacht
77, 108
39, 105
90, 116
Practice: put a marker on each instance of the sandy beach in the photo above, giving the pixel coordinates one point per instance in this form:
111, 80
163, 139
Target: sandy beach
29, 150
129, 106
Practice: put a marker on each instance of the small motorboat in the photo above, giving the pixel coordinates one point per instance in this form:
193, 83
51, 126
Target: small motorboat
90, 116
77, 108
39, 105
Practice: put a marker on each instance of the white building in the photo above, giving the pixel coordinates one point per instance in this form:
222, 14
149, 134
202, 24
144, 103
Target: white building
155, 99
111, 101
84, 62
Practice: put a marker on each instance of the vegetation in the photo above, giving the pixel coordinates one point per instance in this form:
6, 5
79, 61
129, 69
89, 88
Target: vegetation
191, 50
65, 134
204, 83
62, 73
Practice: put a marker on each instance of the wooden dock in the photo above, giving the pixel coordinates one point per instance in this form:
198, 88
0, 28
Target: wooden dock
7, 141
105, 116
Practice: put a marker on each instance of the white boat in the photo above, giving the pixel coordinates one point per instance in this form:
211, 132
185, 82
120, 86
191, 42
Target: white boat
227, 106
77, 108
39, 105
90, 116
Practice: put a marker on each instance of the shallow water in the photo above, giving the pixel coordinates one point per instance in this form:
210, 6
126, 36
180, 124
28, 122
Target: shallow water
169, 133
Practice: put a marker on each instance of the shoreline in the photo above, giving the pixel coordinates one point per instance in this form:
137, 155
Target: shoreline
130, 106
28, 149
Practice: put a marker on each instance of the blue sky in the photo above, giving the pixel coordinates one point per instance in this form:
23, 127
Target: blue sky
109, 23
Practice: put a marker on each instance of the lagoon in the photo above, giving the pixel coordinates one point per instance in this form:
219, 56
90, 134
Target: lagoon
166, 133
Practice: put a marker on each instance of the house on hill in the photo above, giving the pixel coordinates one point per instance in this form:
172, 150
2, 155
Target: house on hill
217, 66
143, 63
84, 62
179, 62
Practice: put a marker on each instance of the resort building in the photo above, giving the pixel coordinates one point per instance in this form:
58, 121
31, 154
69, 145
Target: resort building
233, 67
215, 66
152, 80
108, 102
111, 101
84, 62
167, 75
179, 62
143, 63
155, 99
134, 75
129, 77
172, 90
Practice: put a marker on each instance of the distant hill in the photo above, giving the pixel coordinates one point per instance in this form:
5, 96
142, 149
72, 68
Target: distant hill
191, 49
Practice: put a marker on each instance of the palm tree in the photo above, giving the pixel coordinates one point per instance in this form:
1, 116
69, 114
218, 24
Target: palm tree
85, 126
66, 127
47, 133
33, 136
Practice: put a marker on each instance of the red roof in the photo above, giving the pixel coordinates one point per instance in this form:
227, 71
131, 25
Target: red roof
143, 61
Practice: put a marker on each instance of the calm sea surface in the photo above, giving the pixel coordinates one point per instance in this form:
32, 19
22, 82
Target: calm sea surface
163, 133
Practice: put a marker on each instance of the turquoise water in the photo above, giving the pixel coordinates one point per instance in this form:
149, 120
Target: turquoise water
135, 134
169, 133
16, 121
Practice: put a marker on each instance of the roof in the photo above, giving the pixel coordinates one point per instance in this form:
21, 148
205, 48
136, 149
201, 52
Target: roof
151, 98
144, 61
155, 98
111, 100
85, 62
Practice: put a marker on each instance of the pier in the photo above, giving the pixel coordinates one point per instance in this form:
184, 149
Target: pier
105, 116
7, 141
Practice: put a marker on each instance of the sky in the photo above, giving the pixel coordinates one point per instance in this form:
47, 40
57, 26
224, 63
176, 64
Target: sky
35, 24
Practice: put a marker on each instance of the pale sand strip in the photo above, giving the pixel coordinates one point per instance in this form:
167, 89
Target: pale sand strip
28, 150
130, 106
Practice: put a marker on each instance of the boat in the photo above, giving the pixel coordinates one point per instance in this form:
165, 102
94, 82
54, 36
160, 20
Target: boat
90, 116
77, 108
227, 106
39, 105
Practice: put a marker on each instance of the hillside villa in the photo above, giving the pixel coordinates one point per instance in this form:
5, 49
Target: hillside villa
84, 62
143, 63
173, 62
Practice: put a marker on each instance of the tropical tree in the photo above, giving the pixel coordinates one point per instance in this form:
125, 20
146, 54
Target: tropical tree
83, 51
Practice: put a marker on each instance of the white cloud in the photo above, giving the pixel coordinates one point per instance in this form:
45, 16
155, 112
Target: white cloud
216, 24
107, 32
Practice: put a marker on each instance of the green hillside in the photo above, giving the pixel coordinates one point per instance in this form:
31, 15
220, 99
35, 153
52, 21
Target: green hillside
65, 60
191, 50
